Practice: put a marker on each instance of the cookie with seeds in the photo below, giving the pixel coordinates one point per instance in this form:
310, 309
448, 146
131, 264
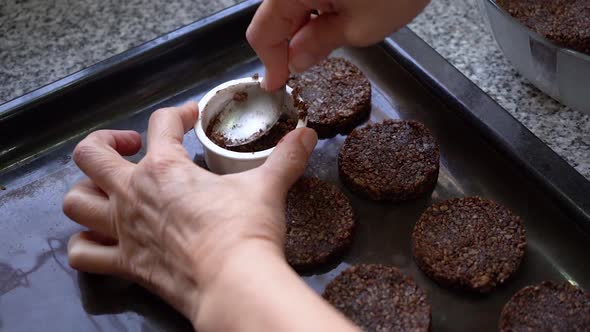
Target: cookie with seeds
380, 298
547, 306
338, 95
470, 243
395, 160
320, 223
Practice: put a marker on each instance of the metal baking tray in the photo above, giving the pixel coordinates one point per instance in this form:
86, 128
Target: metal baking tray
484, 152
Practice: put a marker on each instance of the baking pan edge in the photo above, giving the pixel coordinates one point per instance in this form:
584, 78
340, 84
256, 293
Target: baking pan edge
565, 185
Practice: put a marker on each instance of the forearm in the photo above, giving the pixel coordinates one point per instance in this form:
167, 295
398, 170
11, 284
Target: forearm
264, 295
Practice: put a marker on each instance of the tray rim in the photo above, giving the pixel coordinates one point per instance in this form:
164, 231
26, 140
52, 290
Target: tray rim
120, 60
567, 186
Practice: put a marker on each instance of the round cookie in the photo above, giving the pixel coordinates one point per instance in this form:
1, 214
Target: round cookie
380, 298
547, 306
338, 95
470, 243
395, 161
320, 223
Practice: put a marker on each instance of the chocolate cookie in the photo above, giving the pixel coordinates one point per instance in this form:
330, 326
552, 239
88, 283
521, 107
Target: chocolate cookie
469, 243
547, 306
320, 223
394, 161
380, 298
338, 96
565, 22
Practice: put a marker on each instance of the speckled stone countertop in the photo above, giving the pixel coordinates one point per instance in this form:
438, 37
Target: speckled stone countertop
42, 41
458, 31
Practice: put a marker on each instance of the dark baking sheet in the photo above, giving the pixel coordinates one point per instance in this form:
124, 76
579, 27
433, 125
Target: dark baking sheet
484, 152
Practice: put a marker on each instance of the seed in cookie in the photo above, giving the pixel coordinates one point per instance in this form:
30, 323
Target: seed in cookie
380, 298
470, 243
320, 223
395, 161
338, 95
547, 306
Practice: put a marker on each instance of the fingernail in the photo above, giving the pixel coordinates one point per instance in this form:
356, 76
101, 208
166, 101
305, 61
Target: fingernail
309, 139
301, 62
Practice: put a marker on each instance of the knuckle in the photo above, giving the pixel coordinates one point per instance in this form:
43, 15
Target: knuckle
294, 157
82, 151
296, 154
119, 268
289, 162
158, 115
252, 36
296, 163
86, 147
179, 151
159, 164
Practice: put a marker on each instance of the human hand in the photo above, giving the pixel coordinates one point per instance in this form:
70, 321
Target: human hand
169, 225
286, 37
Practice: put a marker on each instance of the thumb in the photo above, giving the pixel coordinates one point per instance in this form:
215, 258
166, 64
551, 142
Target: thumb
287, 162
315, 40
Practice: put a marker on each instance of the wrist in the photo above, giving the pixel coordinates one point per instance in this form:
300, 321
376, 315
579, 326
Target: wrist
248, 236
238, 276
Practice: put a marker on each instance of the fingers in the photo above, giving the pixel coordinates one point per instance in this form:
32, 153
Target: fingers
315, 40
273, 25
289, 159
86, 253
168, 125
87, 205
99, 157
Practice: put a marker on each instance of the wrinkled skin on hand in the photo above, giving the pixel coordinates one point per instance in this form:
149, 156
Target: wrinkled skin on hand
167, 224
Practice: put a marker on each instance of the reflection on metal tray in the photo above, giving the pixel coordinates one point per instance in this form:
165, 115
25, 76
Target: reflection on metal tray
484, 152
